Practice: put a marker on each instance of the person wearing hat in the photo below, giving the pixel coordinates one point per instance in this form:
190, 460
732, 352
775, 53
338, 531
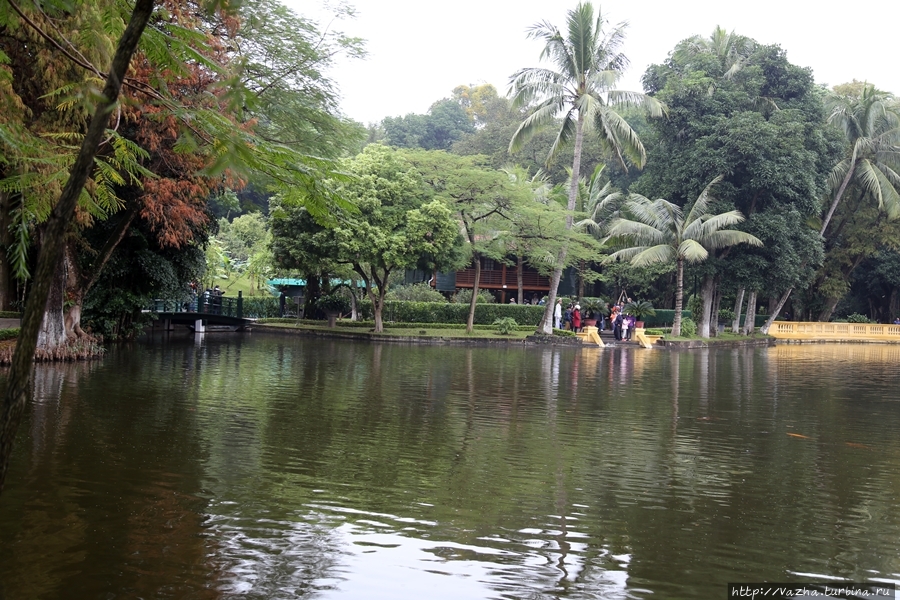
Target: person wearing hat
576, 318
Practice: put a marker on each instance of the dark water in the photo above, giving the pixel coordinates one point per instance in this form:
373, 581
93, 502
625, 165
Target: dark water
274, 467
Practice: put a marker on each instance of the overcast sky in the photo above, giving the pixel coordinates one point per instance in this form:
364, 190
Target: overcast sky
419, 50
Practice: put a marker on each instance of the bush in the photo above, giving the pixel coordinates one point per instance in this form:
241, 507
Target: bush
260, 307
335, 302
563, 332
640, 309
505, 325
694, 305
655, 331
688, 328
416, 292
858, 318
726, 315
465, 297
450, 312
9, 334
10, 314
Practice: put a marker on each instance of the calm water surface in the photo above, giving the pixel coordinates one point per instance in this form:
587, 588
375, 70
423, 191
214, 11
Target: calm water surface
274, 467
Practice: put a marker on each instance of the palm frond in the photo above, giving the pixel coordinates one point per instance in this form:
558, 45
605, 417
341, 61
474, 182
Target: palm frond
725, 238
692, 251
701, 206
661, 253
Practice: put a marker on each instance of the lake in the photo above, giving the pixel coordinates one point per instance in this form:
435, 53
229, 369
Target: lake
268, 466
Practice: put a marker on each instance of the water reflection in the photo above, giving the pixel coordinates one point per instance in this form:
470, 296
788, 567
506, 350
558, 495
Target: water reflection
273, 467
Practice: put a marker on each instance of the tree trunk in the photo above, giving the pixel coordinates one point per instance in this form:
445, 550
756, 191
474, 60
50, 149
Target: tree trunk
828, 309
546, 325
6, 287
18, 382
52, 333
707, 288
78, 283
738, 305
750, 317
840, 192
520, 262
470, 322
772, 316
581, 267
714, 317
679, 296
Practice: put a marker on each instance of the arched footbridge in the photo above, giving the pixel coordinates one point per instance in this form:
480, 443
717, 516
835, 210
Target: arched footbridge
206, 312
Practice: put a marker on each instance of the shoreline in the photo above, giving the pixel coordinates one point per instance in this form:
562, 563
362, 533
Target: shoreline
530, 340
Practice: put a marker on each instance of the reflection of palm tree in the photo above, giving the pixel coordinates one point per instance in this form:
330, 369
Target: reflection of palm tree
660, 233
588, 63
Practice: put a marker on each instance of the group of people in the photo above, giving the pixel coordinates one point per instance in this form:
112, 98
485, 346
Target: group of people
622, 324
536, 300
570, 318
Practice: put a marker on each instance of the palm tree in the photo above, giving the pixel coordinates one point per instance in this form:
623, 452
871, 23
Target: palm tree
870, 120
588, 63
730, 49
871, 124
660, 233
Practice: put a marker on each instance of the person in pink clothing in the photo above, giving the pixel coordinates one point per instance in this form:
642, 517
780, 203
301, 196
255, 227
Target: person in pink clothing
576, 318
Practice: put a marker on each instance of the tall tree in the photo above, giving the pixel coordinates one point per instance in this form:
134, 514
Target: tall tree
19, 377
659, 232
483, 201
588, 63
394, 224
197, 116
869, 120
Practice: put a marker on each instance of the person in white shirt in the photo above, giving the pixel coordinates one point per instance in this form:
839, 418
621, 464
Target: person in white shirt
557, 314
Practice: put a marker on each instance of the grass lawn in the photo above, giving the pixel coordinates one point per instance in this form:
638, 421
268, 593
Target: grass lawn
239, 283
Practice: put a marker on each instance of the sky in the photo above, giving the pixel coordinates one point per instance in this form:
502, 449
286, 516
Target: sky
419, 50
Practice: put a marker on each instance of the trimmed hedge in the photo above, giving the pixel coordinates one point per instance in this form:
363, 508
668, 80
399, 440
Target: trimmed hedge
9, 334
665, 317
431, 312
396, 325
10, 314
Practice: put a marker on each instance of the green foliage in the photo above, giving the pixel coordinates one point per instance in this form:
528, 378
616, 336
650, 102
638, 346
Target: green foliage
639, 309
432, 312
858, 318
336, 302
664, 317
726, 315
445, 123
593, 307
656, 331
695, 305
9, 334
688, 327
465, 297
505, 325
261, 307
10, 314
416, 292
563, 332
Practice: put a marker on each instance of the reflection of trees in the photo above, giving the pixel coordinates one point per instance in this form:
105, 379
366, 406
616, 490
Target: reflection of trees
654, 461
